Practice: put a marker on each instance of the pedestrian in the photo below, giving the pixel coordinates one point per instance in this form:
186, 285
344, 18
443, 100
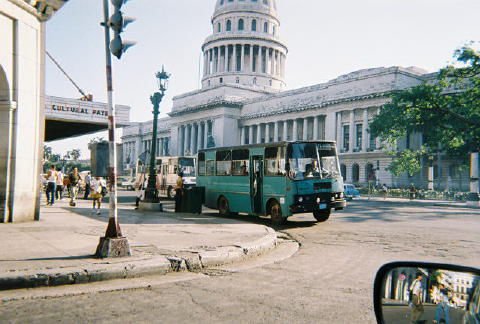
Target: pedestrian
384, 191
411, 191
88, 179
141, 185
416, 291
73, 179
442, 312
59, 183
179, 192
51, 178
97, 185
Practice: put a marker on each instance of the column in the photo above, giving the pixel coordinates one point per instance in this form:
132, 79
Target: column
315, 128
242, 135
364, 130
188, 132
179, 140
294, 135
267, 133
259, 133
209, 61
305, 129
226, 58
205, 56
339, 130
215, 58
234, 58
352, 130
260, 59
267, 60
275, 131
205, 133
250, 134
192, 139
200, 137
251, 57
242, 58
285, 130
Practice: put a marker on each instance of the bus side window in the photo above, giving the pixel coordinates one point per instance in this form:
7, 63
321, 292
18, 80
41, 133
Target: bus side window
275, 161
201, 164
240, 162
210, 167
224, 163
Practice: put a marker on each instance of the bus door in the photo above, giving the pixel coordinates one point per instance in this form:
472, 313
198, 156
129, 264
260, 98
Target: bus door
256, 183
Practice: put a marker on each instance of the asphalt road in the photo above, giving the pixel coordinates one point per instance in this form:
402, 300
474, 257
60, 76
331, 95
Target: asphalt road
329, 280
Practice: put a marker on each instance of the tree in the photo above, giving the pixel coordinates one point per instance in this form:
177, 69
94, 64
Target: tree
47, 152
445, 110
75, 154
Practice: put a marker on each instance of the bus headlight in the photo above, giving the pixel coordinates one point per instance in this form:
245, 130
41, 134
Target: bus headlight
300, 199
333, 199
341, 195
318, 199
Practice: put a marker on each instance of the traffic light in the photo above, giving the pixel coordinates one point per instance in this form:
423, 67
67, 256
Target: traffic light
118, 23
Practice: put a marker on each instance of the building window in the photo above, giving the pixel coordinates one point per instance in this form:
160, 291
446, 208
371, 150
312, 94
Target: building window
265, 27
254, 80
241, 24
355, 173
346, 137
237, 80
219, 27
229, 25
254, 25
343, 170
274, 30
358, 136
372, 143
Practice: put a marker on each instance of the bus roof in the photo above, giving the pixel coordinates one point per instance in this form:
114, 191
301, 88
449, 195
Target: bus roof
262, 145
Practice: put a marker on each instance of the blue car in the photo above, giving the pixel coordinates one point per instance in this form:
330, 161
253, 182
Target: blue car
350, 192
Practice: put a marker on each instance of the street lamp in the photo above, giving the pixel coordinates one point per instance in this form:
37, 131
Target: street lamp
151, 196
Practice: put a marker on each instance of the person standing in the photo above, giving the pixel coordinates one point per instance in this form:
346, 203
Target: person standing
51, 185
179, 192
417, 295
73, 178
59, 182
412, 191
97, 185
88, 179
442, 312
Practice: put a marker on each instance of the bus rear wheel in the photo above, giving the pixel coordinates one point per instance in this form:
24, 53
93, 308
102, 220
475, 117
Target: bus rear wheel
223, 207
276, 213
321, 215
171, 192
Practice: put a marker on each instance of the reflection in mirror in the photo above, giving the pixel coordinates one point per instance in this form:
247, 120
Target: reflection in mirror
430, 295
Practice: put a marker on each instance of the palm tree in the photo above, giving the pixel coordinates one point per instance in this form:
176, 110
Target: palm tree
75, 154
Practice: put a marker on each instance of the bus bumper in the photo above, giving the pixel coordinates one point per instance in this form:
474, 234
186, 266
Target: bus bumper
298, 207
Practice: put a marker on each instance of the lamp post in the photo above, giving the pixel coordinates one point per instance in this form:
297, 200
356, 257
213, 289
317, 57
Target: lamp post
156, 98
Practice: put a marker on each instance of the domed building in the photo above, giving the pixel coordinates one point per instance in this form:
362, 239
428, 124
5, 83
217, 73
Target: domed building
243, 101
245, 47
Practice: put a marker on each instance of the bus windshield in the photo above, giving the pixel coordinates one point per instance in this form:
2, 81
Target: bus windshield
187, 166
312, 160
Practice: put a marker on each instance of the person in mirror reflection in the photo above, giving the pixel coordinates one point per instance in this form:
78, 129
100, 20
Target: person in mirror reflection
416, 290
442, 314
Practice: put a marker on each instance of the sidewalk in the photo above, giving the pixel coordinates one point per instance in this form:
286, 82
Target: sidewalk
418, 202
59, 248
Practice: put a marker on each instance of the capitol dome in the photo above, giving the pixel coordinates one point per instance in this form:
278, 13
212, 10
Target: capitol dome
245, 46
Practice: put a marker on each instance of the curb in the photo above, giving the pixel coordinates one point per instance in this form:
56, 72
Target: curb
134, 269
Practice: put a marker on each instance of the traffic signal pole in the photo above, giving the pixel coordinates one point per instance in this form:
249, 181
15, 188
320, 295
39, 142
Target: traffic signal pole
113, 244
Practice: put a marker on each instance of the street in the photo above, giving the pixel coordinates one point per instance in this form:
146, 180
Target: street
329, 280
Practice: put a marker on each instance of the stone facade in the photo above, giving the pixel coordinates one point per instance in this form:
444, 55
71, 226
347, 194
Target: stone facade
22, 95
241, 106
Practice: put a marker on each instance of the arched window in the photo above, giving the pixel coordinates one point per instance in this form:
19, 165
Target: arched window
369, 172
265, 27
254, 25
219, 27
241, 24
355, 173
229, 25
274, 30
343, 170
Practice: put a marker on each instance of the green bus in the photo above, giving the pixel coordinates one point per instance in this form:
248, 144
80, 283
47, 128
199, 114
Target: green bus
277, 179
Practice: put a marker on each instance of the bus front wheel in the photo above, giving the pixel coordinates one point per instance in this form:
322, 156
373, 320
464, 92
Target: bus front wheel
223, 207
276, 213
321, 215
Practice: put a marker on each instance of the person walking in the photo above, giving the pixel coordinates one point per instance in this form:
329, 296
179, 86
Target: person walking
59, 183
442, 312
412, 191
141, 186
88, 179
73, 179
179, 192
416, 290
51, 185
97, 185
384, 191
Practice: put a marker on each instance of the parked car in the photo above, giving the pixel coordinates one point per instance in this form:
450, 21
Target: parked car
126, 183
350, 192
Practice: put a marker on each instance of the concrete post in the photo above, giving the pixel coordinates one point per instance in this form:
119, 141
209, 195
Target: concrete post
430, 178
473, 198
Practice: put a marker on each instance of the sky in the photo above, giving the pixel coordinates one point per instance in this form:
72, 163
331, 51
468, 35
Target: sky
325, 39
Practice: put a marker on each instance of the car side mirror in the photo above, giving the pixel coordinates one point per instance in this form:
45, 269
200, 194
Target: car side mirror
420, 292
